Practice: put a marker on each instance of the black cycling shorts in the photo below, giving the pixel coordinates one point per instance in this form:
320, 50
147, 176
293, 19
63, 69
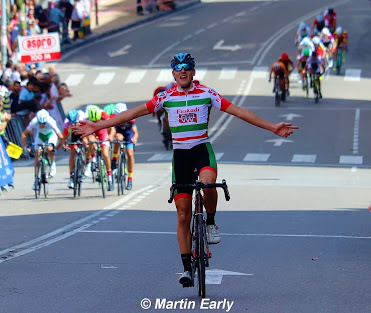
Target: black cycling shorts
187, 164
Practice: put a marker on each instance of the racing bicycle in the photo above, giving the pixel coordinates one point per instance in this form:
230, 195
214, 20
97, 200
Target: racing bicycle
99, 171
121, 172
42, 171
200, 248
78, 171
280, 95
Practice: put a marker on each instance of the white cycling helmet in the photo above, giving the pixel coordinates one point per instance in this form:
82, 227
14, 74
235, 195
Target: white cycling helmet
42, 116
316, 40
120, 107
302, 26
325, 31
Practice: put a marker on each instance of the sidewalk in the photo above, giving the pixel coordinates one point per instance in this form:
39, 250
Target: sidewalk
117, 15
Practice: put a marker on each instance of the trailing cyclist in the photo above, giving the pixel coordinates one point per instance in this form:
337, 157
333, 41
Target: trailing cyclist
280, 72
330, 19
318, 25
289, 65
304, 51
129, 132
314, 66
73, 117
303, 31
95, 114
188, 107
329, 42
341, 40
46, 132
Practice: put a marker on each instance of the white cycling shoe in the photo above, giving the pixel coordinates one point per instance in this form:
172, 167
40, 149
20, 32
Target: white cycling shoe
213, 236
53, 169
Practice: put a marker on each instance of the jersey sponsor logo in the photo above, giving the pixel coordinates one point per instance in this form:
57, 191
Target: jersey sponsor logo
188, 110
188, 118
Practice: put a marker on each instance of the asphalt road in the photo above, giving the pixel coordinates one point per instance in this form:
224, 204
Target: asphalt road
295, 235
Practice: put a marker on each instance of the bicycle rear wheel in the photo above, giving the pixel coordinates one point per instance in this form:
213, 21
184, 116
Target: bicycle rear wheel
38, 179
80, 173
75, 176
45, 169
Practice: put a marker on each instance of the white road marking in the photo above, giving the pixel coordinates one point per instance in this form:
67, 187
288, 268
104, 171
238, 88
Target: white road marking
351, 159
290, 116
278, 142
304, 158
104, 78
200, 73
352, 74
164, 76
260, 72
256, 157
219, 155
135, 77
161, 157
228, 73
227, 234
74, 79
63, 232
356, 131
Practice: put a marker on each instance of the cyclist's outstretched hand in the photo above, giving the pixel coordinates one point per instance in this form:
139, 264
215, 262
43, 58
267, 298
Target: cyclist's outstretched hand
284, 129
85, 128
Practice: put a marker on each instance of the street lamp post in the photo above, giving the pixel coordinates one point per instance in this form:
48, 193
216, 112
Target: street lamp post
4, 38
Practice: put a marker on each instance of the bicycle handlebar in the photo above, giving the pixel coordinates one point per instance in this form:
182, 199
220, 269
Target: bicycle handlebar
198, 185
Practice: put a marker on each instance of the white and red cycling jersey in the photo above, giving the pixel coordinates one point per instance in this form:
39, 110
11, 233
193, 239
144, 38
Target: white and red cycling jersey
188, 113
330, 20
327, 39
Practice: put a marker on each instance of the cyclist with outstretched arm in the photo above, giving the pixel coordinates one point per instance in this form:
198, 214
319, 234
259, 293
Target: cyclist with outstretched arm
187, 106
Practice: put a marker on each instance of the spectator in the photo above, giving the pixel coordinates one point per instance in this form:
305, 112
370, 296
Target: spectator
4, 92
7, 73
56, 17
77, 18
66, 7
56, 98
14, 96
26, 105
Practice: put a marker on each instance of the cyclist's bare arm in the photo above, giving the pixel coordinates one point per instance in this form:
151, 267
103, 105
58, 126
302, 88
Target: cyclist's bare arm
88, 127
135, 135
280, 129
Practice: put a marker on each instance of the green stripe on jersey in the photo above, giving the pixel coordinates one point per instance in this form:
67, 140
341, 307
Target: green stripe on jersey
187, 128
176, 104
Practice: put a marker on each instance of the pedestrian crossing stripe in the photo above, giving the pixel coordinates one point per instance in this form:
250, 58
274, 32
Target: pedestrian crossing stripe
352, 74
104, 78
74, 79
228, 73
256, 157
303, 158
351, 159
135, 76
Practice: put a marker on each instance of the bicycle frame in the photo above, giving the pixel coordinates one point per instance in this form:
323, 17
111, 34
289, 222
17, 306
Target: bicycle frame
200, 249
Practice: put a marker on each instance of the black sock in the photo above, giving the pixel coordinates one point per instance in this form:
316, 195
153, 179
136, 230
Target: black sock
186, 259
210, 220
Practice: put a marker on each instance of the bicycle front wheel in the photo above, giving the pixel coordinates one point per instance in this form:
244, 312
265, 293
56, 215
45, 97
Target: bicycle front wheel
120, 175
201, 258
75, 176
102, 175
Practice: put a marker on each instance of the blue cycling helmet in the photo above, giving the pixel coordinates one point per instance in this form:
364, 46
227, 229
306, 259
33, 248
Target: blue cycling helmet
72, 116
302, 26
183, 58
320, 18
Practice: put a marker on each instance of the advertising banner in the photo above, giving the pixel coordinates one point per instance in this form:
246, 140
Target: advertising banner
6, 166
39, 48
